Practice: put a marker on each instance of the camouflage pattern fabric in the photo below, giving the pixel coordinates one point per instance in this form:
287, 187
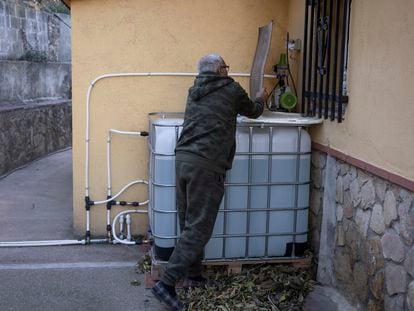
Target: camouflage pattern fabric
205, 150
199, 193
208, 136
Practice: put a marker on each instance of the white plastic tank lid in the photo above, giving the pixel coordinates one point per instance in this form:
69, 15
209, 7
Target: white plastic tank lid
168, 121
281, 118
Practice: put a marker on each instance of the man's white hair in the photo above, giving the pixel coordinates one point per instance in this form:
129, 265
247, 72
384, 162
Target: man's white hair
210, 63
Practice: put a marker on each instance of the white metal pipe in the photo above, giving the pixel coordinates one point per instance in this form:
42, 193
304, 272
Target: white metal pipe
116, 238
128, 225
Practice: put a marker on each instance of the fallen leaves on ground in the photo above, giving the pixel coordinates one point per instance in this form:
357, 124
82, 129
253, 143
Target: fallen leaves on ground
261, 288
265, 287
144, 264
135, 283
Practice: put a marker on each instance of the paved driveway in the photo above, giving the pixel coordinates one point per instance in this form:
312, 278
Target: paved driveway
36, 204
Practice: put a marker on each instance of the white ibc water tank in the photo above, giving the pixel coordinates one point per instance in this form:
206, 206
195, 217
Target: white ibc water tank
269, 187
265, 208
164, 223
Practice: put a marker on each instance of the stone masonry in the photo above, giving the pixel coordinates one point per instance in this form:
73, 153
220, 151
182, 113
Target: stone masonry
316, 197
28, 132
373, 234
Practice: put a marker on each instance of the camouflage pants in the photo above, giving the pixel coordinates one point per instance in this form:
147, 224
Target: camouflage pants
198, 194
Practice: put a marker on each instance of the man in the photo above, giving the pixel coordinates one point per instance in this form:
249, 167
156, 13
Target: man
204, 153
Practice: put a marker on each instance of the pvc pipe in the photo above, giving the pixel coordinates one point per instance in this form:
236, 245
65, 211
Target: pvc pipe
48, 243
108, 153
121, 226
87, 221
109, 187
88, 97
124, 132
138, 181
41, 242
128, 225
108, 165
118, 240
132, 74
108, 218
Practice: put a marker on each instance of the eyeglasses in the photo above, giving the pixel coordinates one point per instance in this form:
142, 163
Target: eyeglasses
227, 67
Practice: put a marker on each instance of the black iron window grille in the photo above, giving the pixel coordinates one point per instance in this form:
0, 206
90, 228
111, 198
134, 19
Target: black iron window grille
325, 58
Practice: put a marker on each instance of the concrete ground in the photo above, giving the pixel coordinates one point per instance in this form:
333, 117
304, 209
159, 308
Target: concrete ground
36, 204
327, 299
36, 201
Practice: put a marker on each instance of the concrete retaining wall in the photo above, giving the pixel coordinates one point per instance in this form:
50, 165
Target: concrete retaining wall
23, 81
35, 53
30, 131
26, 32
362, 229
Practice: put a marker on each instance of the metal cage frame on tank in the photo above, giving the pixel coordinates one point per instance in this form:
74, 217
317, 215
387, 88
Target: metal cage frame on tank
261, 239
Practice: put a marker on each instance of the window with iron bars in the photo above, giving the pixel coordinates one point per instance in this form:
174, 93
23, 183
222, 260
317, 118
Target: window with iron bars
325, 58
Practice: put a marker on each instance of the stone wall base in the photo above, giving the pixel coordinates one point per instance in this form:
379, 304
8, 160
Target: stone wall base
362, 230
33, 130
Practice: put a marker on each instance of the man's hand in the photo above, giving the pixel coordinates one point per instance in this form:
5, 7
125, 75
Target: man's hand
262, 94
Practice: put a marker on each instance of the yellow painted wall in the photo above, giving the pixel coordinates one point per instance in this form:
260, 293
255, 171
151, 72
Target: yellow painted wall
149, 36
295, 26
379, 121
